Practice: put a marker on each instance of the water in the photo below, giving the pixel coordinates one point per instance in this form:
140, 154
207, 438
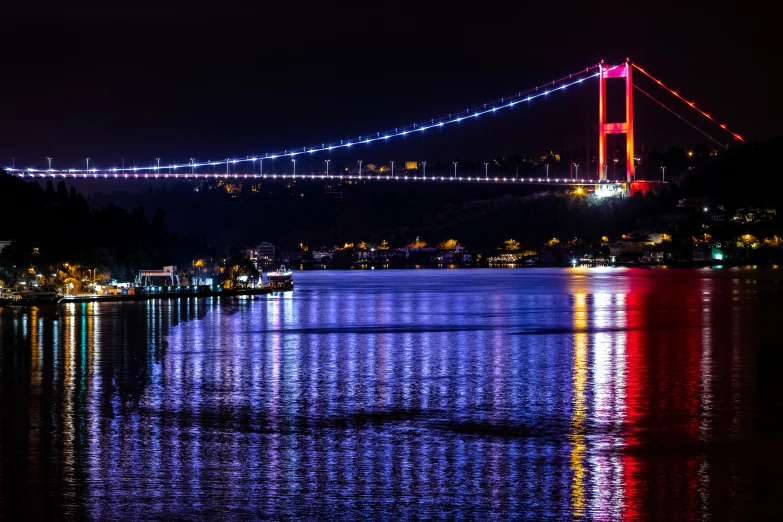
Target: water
455, 394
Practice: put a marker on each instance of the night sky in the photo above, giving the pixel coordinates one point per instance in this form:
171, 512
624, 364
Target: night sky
206, 81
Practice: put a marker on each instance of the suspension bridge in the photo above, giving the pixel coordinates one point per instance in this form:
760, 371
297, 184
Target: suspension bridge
601, 72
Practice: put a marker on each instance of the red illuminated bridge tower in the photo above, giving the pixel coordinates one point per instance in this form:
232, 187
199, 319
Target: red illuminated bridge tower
604, 128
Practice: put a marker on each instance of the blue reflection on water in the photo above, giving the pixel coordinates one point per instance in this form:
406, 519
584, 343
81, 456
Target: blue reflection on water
390, 394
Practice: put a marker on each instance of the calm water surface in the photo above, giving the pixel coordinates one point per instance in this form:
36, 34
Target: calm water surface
463, 394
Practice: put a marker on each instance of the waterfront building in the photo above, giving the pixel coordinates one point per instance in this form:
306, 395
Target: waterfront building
263, 255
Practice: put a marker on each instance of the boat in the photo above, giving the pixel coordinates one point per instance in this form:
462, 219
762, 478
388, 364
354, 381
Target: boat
30, 296
281, 279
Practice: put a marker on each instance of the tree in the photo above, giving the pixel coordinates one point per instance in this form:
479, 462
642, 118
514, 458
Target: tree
748, 241
511, 245
449, 244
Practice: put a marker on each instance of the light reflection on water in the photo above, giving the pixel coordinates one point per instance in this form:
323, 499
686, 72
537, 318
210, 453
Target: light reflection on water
395, 394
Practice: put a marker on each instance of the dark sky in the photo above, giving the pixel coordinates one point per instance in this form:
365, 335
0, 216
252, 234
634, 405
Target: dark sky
212, 80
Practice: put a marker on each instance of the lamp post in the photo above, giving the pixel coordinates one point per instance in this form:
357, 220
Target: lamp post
663, 169
261, 167
327, 167
226, 166
156, 170
50, 164
88, 164
576, 166
360, 169
455, 170
294, 160
486, 171
392, 169
192, 165
425, 169
547, 171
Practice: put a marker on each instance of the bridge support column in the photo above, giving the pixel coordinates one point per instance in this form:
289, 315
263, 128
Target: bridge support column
604, 128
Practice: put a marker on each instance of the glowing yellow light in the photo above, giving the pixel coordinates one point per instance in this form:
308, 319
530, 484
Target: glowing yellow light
577, 433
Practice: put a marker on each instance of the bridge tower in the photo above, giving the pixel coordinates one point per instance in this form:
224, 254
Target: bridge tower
604, 128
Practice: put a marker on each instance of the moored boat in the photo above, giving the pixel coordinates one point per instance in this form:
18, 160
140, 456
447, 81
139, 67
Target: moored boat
281, 279
29, 296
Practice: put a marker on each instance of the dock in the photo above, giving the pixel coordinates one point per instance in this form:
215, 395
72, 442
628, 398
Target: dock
172, 292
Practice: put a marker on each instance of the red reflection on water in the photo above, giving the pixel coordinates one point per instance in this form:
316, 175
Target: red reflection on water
662, 408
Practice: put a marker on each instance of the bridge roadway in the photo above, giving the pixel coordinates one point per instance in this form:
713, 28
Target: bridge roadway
318, 177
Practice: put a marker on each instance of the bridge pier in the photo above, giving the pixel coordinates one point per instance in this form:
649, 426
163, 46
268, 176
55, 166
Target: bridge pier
626, 127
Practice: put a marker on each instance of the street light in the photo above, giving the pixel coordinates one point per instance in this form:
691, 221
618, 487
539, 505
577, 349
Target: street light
50, 163
547, 171
455, 169
664, 173
294, 160
327, 167
88, 164
486, 166
392, 168
425, 169
576, 166
360, 168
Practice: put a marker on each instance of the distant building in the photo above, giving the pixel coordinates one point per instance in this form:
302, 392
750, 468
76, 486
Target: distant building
323, 256
652, 257
707, 254
165, 277
411, 165
627, 247
263, 255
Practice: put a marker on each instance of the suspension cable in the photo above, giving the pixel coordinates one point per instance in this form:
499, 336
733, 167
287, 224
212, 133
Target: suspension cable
690, 103
680, 117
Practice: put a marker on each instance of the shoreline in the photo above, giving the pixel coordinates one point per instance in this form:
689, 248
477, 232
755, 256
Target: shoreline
385, 266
